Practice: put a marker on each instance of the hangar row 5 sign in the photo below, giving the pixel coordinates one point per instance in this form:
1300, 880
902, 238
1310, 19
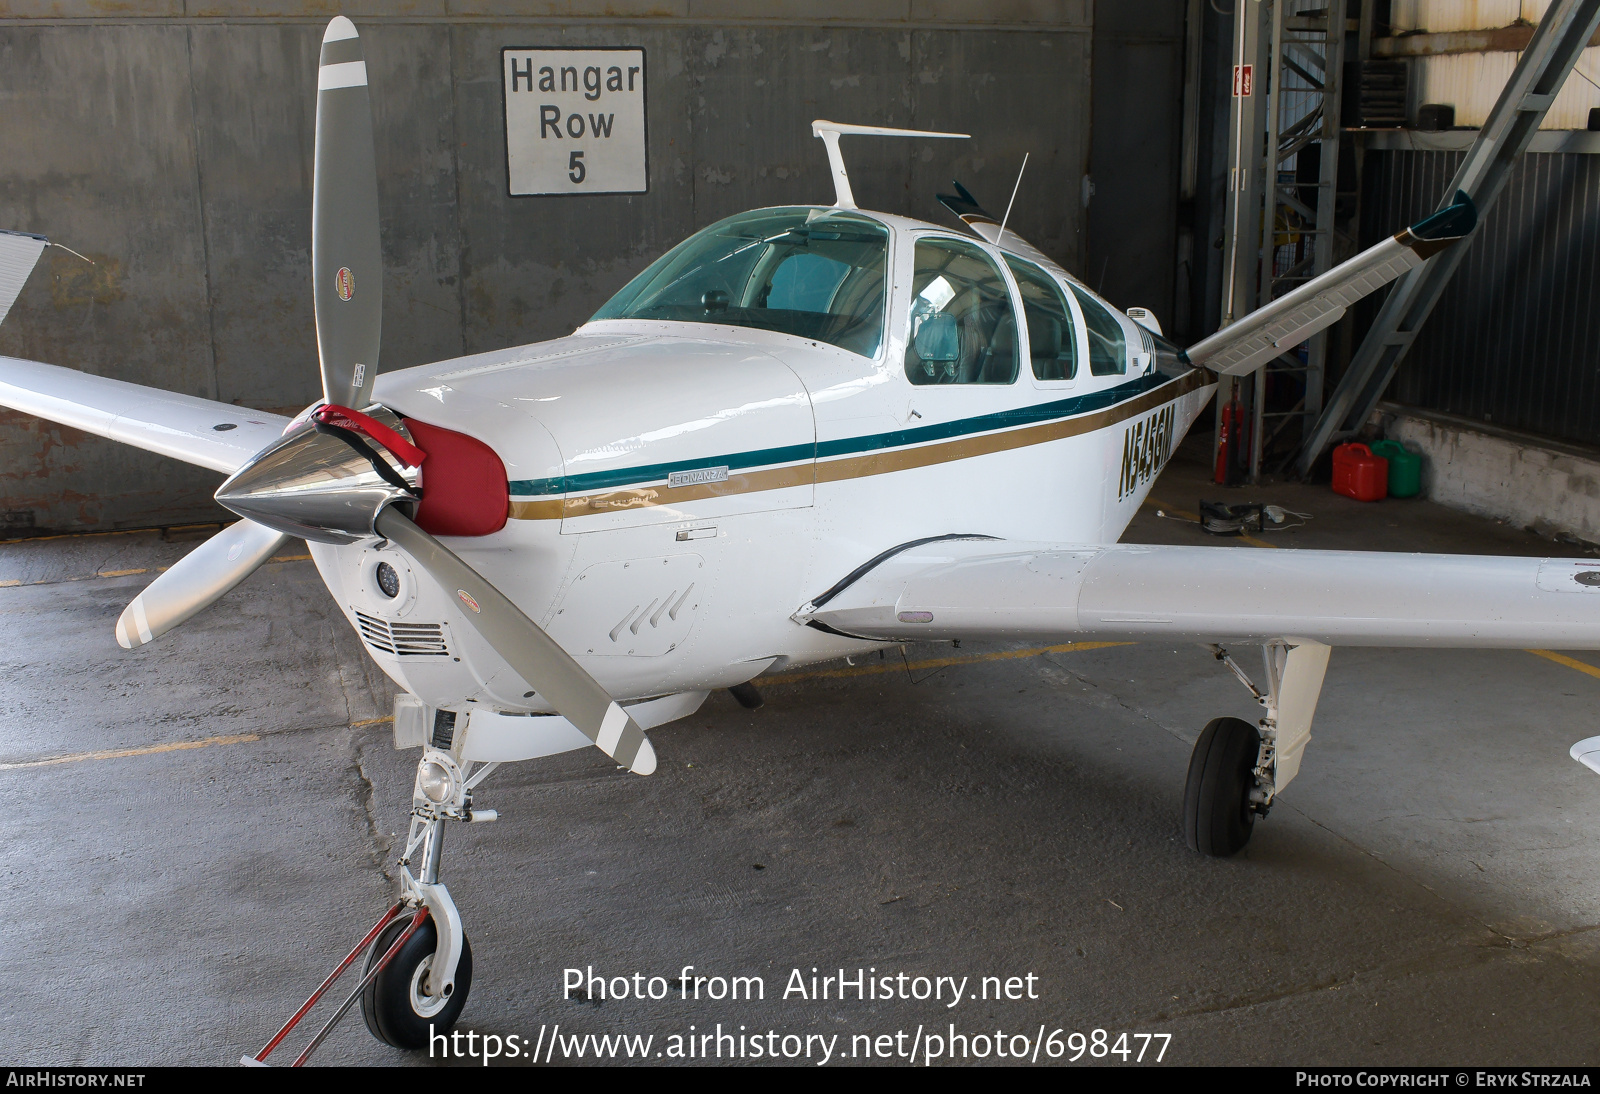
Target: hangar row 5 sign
574, 121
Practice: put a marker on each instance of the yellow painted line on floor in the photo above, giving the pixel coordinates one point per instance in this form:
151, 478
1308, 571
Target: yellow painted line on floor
371, 722
1571, 663
149, 750
289, 558
120, 573
1195, 517
937, 662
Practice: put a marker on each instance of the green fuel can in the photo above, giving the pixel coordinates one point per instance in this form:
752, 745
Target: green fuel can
1405, 468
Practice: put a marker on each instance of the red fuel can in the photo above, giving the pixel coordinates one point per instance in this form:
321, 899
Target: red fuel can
1358, 474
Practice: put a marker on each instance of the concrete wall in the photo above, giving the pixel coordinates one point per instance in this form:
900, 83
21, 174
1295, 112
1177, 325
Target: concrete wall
172, 142
1528, 481
1133, 158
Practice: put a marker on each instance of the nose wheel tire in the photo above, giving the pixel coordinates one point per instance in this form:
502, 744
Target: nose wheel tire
1218, 814
396, 1005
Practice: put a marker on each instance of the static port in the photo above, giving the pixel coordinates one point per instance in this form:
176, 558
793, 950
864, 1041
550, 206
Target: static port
388, 580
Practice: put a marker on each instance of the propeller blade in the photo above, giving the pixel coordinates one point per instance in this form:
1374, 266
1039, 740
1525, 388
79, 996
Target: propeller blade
576, 696
199, 579
346, 252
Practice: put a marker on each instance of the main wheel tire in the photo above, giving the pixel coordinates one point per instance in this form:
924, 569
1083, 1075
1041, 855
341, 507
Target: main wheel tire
1217, 811
393, 1005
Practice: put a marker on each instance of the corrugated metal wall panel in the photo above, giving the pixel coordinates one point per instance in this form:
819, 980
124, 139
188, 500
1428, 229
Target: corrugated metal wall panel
1516, 338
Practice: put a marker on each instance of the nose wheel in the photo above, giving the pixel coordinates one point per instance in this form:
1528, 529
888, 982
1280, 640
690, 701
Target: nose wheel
399, 1004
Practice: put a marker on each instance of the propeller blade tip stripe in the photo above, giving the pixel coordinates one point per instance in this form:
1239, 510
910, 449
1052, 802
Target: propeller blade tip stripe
611, 727
122, 632
339, 29
140, 622
344, 74
645, 762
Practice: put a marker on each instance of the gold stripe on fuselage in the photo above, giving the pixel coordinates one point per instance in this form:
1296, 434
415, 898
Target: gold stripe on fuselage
862, 466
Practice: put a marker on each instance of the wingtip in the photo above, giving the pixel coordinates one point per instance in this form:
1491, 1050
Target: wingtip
1452, 222
339, 28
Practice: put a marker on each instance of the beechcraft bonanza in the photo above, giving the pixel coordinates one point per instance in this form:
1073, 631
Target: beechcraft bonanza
803, 433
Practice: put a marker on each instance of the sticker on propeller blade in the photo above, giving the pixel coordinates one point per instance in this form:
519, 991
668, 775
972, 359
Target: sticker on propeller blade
466, 598
344, 283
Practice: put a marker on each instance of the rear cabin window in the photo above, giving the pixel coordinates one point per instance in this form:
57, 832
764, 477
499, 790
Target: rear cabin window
963, 329
814, 273
1108, 349
1052, 336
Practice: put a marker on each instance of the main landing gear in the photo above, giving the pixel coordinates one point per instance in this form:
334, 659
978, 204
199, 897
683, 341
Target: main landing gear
418, 967
1237, 770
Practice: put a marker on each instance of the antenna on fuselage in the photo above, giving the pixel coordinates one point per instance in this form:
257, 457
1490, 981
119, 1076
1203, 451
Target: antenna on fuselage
830, 133
1014, 190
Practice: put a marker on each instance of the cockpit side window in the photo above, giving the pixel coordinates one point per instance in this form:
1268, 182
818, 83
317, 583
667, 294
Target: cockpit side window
963, 329
1108, 347
814, 273
1052, 335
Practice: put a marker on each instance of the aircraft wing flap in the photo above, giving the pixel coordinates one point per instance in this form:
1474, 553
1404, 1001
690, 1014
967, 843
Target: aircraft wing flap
210, 434
971, 589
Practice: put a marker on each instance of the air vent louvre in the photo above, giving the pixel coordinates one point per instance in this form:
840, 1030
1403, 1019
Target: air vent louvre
403, 639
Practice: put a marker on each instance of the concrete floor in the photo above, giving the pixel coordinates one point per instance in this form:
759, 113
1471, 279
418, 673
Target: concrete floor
1425, 892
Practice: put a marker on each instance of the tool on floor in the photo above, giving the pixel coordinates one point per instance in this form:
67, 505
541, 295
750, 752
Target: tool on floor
1220, 519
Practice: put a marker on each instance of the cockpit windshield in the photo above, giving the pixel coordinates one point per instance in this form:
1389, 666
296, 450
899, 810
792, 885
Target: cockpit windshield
815, 273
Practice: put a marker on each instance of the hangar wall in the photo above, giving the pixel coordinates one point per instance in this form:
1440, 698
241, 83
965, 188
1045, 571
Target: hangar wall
1133, 156
172, 142
1512, 339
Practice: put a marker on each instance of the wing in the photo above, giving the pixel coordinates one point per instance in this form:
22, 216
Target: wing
220, 436
966, 588
1244, 346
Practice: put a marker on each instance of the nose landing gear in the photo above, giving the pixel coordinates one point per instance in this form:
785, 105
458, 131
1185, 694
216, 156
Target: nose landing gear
425, 985
418, 969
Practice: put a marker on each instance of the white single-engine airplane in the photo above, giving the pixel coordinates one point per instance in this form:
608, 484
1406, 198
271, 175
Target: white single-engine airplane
803, 433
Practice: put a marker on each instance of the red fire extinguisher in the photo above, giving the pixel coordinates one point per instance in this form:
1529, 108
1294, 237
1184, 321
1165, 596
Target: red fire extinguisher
1229, 437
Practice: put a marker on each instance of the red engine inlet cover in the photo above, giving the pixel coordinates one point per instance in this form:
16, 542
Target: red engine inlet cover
464, 491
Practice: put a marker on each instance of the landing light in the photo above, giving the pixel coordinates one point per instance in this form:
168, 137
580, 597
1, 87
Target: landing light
436, 782
388, 580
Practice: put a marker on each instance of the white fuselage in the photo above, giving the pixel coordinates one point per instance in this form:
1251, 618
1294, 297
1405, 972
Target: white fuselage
679, 490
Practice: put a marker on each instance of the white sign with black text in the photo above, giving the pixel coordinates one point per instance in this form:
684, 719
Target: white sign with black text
575, 121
